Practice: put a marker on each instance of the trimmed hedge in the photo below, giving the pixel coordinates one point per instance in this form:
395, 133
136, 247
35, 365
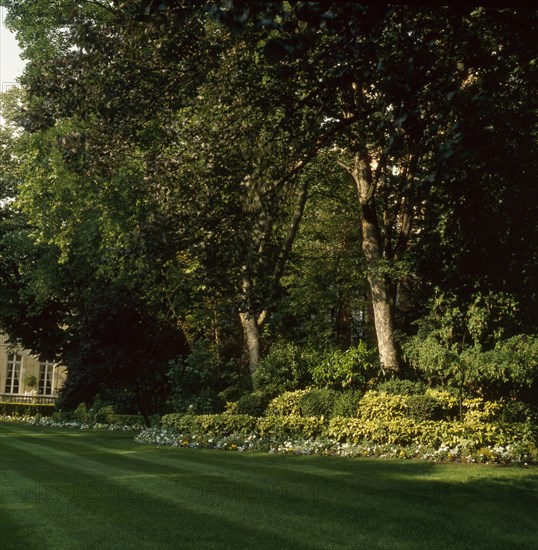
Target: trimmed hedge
291, 426
22, 409
218, 424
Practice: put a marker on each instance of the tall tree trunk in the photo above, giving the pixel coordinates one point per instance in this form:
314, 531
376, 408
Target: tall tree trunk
251, 334
384, 322
252, 319
381, 287
249, 322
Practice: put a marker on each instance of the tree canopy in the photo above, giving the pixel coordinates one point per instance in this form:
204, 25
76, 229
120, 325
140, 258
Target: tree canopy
244, 172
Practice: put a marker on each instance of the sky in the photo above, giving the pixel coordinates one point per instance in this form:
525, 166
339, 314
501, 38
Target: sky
11, 65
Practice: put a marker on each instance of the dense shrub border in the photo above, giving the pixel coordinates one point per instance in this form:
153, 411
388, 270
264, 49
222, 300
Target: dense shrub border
473, 440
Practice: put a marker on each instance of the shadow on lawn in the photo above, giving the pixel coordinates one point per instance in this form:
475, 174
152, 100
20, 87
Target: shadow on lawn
108, 492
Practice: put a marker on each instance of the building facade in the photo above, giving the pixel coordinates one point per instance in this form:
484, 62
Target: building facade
26, 379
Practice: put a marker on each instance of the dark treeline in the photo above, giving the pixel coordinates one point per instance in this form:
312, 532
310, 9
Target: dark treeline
197, 196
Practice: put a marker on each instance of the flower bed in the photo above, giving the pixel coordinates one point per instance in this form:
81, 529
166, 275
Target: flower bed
48, 422
463, 452
437, 441
470, 441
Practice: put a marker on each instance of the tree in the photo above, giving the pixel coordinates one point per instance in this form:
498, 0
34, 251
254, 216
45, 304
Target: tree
408, 84
187, 149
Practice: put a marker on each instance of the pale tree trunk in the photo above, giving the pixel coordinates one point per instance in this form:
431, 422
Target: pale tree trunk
252, 319
251, 334
249, 322
381, 287
384, 323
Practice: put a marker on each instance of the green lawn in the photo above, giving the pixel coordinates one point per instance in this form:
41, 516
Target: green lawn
63, 489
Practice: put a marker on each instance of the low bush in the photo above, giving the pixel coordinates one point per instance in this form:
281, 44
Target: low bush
396, 386
405, 431
217, 424
105, 415
63, 420
125, 419
287, 403
347, 404
82, 414
381, 406
516, 411
424, 407
290, 426
285, 368
447, 400
318, 402
354, 368
22, 409
253, 404
471, 441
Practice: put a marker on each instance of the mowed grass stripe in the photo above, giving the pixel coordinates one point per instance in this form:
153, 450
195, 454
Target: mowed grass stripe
145, 483
385, 513
187, 474
82, 508
185, 498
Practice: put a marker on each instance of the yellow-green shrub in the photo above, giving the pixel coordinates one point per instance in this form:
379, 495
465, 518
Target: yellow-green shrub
291, 426
478, 410
288, 403
405, 431
381, 406
219, 424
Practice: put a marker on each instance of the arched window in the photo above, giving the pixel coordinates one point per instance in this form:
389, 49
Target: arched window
14, 366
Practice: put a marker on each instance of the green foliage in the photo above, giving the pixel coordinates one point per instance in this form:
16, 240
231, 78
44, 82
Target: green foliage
104, 413
346, 404
318, 402
325, 285
466, 347
354, 368
389, 406
290, 426
401, 387
512, 362
378, 406
424, 407
21, 409
480, 429
491, 317
516, 411
314, 402
193, 378
288, 403
82, 414
152, 194
285, 368
253, 404
405, 431
223, 424
30, 381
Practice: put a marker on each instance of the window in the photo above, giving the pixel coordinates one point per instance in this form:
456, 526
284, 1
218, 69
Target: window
13, 380
45, 378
